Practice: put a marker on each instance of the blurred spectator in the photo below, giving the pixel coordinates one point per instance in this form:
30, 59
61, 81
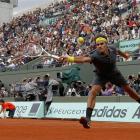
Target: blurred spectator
1, 84
119, 91
109, 90
3, 93
52, 89
3, 90
88, 88
137, 83
131, 81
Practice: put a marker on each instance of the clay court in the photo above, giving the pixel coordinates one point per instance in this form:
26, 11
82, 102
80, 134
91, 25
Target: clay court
33, 129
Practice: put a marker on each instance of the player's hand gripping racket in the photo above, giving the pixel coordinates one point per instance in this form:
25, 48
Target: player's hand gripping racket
33, 50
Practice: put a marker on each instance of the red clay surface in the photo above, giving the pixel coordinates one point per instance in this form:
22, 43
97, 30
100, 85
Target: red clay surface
31, 129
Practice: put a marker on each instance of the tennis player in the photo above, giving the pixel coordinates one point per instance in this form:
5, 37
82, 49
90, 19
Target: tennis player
104, 60
7, 106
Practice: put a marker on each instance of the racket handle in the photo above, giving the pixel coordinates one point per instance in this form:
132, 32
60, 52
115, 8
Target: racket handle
55, 56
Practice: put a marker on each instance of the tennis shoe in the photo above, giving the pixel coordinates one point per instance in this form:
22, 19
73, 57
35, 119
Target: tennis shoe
85, 122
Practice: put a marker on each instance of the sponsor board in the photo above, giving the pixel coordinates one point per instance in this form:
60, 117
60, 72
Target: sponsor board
119, 112
129, 45
28, 110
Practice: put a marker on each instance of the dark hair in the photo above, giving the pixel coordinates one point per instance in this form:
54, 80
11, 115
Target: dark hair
90, 86
46, 76
130, 77
38, 77
2, 101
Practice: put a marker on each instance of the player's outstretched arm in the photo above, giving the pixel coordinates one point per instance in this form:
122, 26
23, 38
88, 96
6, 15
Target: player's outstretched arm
77, 59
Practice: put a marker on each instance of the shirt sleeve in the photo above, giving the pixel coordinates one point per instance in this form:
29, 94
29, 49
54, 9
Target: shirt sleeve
115, 49
93, 56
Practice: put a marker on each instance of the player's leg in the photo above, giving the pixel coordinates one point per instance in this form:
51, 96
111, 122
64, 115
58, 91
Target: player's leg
96, 88
119, 80
132, 93
92, 99
85, 121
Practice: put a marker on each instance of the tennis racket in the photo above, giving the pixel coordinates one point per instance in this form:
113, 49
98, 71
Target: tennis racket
32, 50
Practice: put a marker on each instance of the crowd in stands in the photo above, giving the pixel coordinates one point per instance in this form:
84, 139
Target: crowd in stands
45, 87
3, 91
56, 28
37, 88
66, 21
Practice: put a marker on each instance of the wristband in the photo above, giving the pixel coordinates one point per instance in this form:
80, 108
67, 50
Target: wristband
70, 59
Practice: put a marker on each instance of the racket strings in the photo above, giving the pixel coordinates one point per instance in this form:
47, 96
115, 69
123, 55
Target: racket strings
33, 50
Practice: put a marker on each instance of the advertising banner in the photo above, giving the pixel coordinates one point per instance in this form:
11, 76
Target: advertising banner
116, 112
28, 110
129, 45
119, 112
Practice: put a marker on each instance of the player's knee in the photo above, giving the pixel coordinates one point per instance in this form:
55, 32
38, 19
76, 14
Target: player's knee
95, 90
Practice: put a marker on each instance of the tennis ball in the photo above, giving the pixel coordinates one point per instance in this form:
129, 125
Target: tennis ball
80, 40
